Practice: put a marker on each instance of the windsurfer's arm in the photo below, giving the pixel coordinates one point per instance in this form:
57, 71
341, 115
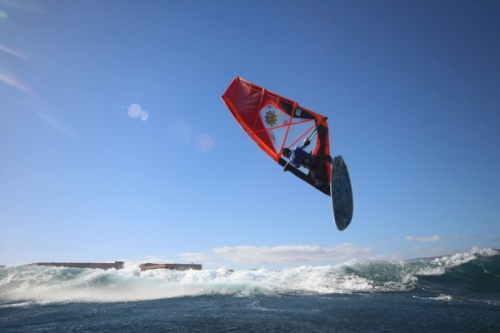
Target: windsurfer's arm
305, 144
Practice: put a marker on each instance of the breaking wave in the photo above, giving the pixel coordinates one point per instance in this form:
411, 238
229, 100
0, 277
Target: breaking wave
476, 270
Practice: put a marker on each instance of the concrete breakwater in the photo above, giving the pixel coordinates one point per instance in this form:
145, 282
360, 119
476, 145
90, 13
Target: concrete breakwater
99, 265
175, 267
119, 265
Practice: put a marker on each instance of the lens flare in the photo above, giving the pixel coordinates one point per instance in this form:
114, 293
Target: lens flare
144, 115
11, 80
204, 142
134, 110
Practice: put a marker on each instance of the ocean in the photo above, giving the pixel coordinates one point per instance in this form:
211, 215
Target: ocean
455, 293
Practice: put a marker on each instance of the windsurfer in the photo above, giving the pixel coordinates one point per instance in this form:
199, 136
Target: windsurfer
298, 156
316, 164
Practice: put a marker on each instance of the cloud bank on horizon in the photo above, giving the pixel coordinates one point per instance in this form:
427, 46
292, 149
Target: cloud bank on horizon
299, 254
433, 238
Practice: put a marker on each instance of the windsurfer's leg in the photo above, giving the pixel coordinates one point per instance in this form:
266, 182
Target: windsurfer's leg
309, 161
318, 170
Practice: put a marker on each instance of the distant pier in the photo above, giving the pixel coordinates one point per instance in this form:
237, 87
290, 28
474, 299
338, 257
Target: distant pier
175, 267
100, 265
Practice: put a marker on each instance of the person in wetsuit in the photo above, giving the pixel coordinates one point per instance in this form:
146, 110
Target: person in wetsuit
316, 164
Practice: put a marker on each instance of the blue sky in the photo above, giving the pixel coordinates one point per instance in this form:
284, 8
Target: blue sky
116, 144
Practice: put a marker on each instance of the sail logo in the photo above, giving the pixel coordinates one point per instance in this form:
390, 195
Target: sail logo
271, 118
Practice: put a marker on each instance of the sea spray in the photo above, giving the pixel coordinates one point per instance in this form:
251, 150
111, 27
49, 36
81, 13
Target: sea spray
57, 284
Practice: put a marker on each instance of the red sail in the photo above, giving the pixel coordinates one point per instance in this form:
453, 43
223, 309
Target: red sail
275, 122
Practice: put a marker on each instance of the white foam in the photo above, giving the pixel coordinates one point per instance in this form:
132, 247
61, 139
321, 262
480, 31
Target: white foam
441, 297
53, 284
76, 285
438, 266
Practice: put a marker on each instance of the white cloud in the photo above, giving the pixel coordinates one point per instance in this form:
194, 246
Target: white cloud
193, 256
433, 238
155, 260
300, 254
251, 256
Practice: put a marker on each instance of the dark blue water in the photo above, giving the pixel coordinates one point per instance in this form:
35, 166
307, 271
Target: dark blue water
459, 293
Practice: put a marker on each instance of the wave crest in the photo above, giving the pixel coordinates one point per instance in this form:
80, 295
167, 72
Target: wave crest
55, 284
